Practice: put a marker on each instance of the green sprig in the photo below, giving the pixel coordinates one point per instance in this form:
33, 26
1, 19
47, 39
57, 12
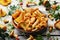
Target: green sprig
3, 34
40, 2
20, 0
48, 35
39, 37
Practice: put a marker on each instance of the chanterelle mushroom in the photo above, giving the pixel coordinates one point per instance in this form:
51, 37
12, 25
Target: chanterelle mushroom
2, 13
3, 27
5, 2
31, 38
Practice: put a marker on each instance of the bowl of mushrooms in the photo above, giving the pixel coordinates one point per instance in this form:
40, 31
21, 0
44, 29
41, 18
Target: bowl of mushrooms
29, 20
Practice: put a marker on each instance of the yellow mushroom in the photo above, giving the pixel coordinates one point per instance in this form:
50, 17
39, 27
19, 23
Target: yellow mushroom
3, 27
2, 13
28, 29
5, 2
32, 20
6, 21
36, 22
20, 18
16, 14
31, 38
12, 34
57, 24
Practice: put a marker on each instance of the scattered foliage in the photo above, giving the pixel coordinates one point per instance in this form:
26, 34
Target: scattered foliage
39, 37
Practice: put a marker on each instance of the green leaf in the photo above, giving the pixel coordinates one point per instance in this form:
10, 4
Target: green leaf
47, 5
39, 37
57, 16
20, 0
13, 7
58, 7
3, 34
1, 30
31, 0
10, 13
55, 2
41, 1
53, 38
6, 34
51, 11
11, 26
56, 38
48, 35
